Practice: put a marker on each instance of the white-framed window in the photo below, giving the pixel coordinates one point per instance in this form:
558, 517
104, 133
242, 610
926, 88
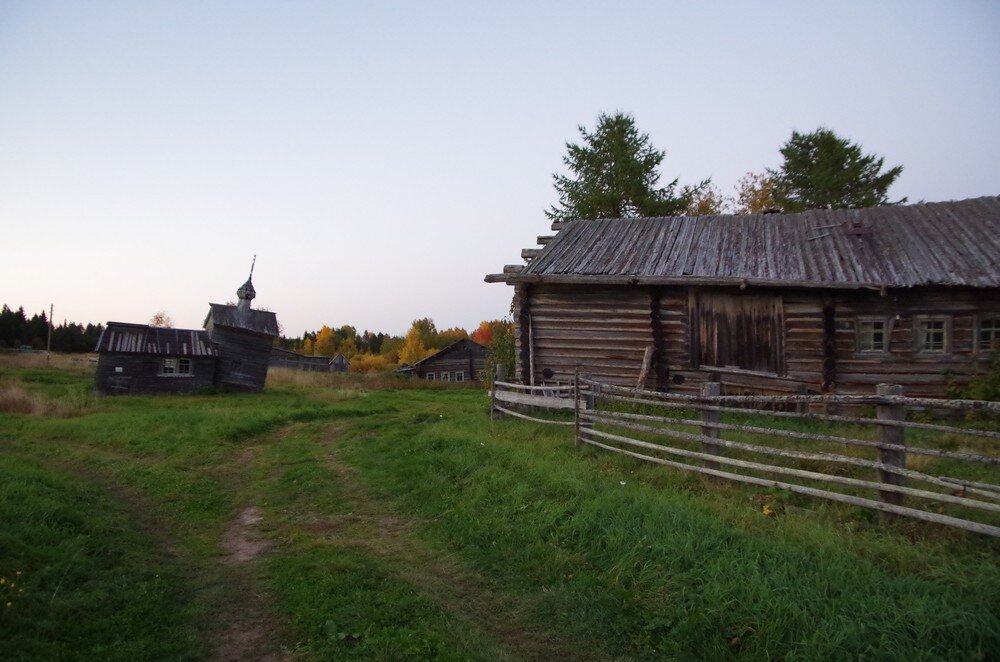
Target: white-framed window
989, 334
445, 376
176, 367
459, 375
430, 376
872, 334
932, 334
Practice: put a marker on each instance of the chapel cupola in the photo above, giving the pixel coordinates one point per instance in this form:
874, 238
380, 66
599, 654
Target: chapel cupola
246, 293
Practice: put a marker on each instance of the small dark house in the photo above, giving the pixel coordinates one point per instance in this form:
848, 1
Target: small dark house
821, 301
283, 358
232, 350
461, 361
136, 358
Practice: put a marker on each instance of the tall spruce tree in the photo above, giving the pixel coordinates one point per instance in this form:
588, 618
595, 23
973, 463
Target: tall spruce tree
614, 175
824, 171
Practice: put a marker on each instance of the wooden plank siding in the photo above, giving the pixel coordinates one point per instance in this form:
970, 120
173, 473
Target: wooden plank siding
132, 373
244, 357
605, 330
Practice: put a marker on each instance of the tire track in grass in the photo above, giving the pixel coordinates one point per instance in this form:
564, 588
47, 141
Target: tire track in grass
237, 625
445, 580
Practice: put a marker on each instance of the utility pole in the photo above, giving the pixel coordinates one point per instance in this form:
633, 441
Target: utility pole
48, 348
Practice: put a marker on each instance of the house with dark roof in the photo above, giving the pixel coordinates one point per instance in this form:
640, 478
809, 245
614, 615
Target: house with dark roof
819, 301
232, 350
461, 361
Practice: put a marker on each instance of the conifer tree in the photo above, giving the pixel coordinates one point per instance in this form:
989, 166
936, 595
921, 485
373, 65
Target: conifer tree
824, 171
613, 174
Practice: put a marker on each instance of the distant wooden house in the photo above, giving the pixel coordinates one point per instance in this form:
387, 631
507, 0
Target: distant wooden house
461, 361
822, 301
283, 358
232, 350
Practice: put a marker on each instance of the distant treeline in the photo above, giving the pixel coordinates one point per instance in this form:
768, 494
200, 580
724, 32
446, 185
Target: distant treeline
18, 330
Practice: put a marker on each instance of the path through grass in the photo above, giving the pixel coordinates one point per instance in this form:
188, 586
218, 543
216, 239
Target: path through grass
339, 523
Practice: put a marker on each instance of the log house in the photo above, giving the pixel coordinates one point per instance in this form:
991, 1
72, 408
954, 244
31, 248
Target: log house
816, 302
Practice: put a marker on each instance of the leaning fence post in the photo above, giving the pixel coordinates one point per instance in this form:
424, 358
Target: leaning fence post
891, 434
710, 390
576, 406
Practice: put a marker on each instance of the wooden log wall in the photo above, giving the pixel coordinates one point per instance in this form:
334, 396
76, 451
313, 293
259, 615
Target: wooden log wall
920, 373
606, 330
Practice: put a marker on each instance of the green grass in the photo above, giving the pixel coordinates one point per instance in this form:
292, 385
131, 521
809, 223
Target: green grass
404, 524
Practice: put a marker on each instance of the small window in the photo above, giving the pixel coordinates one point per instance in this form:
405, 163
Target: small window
932, 335
989, 334
176, 367
445, 376
459, 376
430, 376
871, 335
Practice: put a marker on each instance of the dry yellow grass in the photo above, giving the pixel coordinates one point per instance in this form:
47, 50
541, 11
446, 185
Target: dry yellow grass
372, 381
77, 364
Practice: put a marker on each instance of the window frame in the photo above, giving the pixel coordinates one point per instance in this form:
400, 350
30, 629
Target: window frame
459, 375
445, 376
918, 346
430, 376
171, 367
982, 319
886, 330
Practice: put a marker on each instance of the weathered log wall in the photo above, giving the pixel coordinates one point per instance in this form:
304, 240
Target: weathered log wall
920, 373
606, 330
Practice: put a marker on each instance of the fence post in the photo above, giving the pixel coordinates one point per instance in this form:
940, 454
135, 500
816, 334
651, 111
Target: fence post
891, 434
709, 390
576, 406
586, 402
493, 401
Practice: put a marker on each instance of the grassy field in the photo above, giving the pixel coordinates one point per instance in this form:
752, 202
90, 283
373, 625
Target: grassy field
350, 520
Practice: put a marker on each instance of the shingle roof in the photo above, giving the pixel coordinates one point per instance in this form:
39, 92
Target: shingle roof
943, 243
120, 337
258, 321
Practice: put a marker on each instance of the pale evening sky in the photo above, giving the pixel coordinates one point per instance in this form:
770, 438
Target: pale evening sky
380, 158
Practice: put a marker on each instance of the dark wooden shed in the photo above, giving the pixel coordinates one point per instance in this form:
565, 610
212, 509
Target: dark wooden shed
461, 361
136, 358
821, 301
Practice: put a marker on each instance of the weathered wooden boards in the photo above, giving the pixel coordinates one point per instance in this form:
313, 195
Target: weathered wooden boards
776, 341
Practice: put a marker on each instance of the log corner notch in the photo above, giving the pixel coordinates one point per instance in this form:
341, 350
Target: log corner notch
522, 331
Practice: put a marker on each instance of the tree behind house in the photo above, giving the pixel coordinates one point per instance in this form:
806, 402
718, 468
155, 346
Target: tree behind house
613, 174
821, 170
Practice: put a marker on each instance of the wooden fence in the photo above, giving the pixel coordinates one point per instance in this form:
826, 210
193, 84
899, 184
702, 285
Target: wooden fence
554, 397
897, 462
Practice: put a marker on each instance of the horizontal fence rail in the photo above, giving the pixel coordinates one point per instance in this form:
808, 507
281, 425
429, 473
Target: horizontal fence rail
932, 471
